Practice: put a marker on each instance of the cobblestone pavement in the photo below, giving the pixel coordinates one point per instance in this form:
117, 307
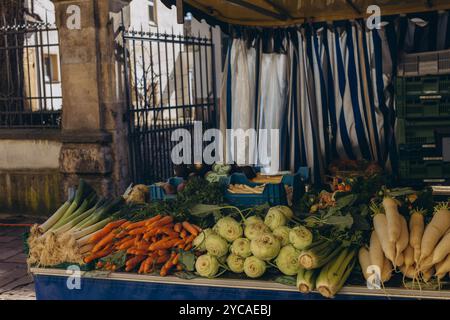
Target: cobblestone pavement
15, 282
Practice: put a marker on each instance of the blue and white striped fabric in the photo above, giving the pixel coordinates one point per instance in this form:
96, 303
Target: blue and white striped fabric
339, 89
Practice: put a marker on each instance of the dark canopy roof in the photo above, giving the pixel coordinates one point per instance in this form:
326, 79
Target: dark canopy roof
272, 13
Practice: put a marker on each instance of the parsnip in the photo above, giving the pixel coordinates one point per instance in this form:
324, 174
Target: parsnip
435, 230
427, 274
408, 272
393, 219
426, 263
403, 241
376, 251
364, 261
416, 228
380, 226
386, 272
443, 267
442, 249
409, 256
399, 260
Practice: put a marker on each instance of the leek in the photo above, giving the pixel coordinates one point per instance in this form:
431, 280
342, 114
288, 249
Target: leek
54, 218
88, 230
74, 205
333, 276
318, 254
306, 280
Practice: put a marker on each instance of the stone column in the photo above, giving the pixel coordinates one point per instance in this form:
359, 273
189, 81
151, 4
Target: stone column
93, 128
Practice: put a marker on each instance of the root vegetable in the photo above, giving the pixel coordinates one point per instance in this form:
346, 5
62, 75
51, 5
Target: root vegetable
376, 251
364, 261
426, 275
443, 267
409, 256
386, 272
442, 249
399, 260
403, 241
416, 228
393, 219
408, 272
381, 228
434, 231
426, 263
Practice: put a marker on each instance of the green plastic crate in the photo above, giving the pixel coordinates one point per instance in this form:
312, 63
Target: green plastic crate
425, 106
418, 152
417, 86
417, 169
419, 133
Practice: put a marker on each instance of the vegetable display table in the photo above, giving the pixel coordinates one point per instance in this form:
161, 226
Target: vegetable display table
52, 284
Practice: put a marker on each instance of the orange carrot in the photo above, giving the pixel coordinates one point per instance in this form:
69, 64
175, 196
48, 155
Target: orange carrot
100, 254
190, 228
135, 225
106, 240
137, 252
183, 234
162, 259
168, 231
142, 245
187, 247
147, 264
106, 230
131, 263
137, 231
165, 243
122, 241
161, 222
152, 220
169, 264
176, 258
161, 252
197, 228
179, 267
141, 267
177, 227
190, 238
126, 244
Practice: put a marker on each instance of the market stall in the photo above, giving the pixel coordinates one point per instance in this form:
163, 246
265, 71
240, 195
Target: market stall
347, 213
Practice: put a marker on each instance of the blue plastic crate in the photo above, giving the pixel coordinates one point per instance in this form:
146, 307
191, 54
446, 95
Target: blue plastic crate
274, 193
158, 193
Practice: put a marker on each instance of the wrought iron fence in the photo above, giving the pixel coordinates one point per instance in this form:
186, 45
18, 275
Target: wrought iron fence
30, 87
170, 84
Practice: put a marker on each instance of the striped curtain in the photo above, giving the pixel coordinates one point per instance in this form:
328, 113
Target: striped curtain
337, 102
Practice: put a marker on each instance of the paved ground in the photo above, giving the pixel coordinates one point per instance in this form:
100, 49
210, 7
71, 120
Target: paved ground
15, 282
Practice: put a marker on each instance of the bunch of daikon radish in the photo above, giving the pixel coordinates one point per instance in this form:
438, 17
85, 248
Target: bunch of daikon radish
419, 251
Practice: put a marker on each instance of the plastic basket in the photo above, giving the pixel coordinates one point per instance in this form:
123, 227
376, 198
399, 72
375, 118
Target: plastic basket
273, 194
426, 63
419, 86
418, 152
419, 133
424, 106
420, 170
158, 193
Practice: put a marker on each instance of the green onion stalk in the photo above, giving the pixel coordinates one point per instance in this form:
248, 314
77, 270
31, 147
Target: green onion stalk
306, 280
333, 276
318, 254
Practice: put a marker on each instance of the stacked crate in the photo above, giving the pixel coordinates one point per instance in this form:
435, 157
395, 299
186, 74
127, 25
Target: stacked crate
423, 117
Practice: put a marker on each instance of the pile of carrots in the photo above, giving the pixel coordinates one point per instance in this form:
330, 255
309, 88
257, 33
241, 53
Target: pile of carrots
148, 243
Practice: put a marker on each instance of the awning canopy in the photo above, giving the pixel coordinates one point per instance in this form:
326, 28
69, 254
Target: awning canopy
272, 13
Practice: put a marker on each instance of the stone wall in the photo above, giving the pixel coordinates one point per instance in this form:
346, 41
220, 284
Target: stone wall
30, 181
